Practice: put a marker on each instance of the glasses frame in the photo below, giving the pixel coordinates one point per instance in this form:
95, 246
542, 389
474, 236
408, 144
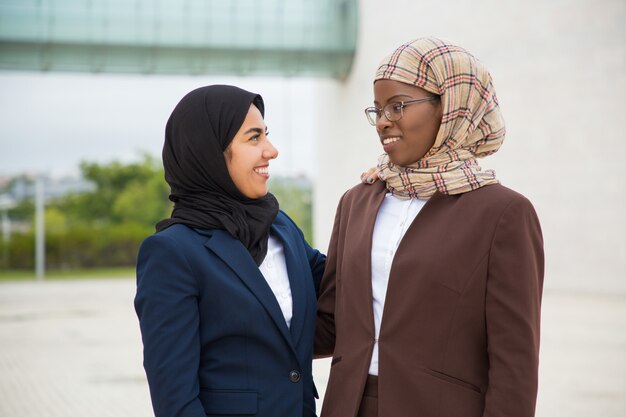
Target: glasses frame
388, 114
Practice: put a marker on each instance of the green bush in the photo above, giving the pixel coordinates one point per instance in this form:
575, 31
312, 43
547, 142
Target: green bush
78, 248
19, 252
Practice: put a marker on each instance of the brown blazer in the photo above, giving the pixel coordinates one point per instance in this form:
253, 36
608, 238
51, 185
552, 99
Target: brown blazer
460, 330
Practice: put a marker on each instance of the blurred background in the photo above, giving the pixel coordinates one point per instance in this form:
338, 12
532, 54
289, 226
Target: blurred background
86, 87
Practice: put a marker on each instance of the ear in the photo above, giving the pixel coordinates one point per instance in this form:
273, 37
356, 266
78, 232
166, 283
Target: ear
228, 153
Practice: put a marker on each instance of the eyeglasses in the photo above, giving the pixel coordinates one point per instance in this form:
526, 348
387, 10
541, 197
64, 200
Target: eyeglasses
393, 111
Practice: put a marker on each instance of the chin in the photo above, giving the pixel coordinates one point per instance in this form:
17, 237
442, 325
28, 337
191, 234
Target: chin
396, 162
261, 193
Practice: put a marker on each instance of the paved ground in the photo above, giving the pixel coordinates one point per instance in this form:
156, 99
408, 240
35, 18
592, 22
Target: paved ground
73, 349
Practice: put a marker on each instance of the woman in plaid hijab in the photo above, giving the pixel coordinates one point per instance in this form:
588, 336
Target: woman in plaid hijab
444, 318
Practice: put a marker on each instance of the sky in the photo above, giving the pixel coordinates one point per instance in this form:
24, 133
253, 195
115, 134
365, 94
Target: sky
50, 122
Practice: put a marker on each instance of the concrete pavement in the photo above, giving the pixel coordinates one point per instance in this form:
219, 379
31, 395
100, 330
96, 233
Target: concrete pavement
72, 348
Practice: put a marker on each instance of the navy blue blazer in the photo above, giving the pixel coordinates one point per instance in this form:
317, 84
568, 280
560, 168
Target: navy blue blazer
215, 340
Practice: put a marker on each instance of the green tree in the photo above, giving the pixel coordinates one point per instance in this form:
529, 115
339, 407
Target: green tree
103, 227
132, 192
143, 202
55, 220
23, 211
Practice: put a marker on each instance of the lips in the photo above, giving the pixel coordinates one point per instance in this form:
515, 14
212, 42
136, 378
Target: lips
389, 143
263, 171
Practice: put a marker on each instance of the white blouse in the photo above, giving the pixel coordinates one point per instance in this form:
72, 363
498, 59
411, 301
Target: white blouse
392, 221
274, 270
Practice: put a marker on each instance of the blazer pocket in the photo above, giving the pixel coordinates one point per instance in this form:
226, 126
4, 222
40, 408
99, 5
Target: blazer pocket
335, 360
229, 402
452, 380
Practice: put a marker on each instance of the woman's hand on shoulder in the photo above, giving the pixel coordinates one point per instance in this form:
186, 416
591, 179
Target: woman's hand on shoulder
370, 176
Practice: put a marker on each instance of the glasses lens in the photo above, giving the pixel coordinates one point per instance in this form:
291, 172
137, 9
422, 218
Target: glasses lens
393, 112
372, 115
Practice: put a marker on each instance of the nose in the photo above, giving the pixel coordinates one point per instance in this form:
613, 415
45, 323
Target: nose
383, 123
270, 152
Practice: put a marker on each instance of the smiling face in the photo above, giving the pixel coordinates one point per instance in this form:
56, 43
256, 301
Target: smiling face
248, 155
410, 138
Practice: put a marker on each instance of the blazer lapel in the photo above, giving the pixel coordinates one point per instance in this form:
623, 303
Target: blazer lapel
296, 282
362, 223
235, 255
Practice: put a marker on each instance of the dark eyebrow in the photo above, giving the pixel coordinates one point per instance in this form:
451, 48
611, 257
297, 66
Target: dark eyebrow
395, 97
256, 130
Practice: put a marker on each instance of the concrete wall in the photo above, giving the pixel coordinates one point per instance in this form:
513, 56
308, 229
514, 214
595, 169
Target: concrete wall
559, 68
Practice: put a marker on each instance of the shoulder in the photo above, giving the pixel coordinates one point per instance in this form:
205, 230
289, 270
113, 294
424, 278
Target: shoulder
496, 197
283, 218
484, 208
174, 233
362, 194
495, 193
503, 208
175, 236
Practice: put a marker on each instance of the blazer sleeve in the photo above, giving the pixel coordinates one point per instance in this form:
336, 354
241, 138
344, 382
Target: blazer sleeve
325, 325
167, 308
317, 262
513, 304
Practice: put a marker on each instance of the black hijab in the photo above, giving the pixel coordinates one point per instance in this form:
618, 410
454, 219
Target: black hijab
197, 133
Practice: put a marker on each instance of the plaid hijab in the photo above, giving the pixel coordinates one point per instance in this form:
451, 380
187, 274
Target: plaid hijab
471, 127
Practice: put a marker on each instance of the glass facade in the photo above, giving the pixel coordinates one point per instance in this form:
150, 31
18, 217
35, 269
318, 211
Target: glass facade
242, 37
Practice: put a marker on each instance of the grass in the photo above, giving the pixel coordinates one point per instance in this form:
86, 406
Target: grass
14, 275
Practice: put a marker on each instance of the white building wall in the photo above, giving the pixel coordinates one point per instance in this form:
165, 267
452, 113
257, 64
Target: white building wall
559, 68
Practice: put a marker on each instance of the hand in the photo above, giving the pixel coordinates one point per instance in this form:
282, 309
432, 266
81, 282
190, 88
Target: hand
370, 176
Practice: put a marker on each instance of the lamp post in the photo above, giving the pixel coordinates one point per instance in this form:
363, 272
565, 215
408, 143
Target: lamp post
40, 238
6, 203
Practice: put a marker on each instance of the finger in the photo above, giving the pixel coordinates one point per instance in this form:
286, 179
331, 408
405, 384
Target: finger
370, 172
370, 176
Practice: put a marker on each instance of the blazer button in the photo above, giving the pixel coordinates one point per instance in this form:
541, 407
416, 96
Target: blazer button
294, 376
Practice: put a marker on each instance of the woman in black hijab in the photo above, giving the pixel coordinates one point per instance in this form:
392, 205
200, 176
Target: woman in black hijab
226, 288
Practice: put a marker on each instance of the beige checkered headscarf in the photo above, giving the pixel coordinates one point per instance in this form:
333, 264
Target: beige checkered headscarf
471, 126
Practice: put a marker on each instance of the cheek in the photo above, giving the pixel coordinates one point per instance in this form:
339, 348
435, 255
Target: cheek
231, 164
421, 133
236, 169
433, 131
427, 130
